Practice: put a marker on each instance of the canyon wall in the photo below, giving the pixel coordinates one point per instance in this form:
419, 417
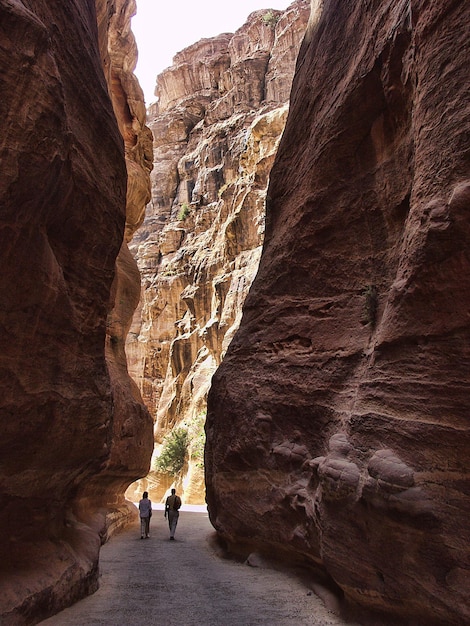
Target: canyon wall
74, 430
220, 113
337, 425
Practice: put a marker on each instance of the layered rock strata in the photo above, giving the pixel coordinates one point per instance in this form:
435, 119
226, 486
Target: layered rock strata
220, 113
337, 427
74, 430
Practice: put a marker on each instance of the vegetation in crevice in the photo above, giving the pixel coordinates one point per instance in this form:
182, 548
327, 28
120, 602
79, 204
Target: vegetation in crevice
270, 19
184, 211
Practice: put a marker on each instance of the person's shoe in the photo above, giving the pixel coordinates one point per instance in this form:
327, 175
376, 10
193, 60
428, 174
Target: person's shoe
172, 538
142, 537
147, 536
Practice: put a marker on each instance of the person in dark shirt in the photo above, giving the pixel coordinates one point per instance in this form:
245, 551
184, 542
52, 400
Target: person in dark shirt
172, 506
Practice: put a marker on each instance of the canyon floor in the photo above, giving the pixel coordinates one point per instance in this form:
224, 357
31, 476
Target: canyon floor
187, 581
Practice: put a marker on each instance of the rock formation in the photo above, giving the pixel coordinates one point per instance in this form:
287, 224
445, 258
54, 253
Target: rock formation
337, 427
74, 430
220, 113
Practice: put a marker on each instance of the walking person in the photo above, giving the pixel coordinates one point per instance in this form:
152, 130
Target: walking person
145, 510
172, 506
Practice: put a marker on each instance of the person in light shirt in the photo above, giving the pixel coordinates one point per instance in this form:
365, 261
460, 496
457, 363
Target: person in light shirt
145, 510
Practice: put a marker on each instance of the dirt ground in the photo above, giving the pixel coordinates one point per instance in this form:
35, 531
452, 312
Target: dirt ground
184, 582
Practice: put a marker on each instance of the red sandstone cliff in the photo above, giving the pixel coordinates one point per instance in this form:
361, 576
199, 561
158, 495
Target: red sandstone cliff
74, 430
338, 430
221, 111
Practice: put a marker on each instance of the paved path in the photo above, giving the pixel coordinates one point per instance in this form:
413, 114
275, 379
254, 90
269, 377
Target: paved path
156, 581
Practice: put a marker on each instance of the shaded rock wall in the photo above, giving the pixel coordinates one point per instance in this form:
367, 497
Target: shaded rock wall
338, 430
74, 430
220, 113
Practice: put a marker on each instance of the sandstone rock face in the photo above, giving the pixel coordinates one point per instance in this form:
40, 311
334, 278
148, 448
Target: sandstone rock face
337, 428
74, 430
220, 113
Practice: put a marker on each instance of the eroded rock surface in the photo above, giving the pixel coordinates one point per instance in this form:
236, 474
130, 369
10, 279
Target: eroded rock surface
338, 429
220, 113
74, 430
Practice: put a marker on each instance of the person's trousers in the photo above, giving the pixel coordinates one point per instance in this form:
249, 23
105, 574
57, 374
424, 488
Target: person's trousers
172, 521
144, 526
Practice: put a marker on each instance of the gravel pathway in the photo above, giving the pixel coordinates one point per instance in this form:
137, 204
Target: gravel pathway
184, 582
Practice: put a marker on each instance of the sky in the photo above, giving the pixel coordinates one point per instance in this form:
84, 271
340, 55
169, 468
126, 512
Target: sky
164, 27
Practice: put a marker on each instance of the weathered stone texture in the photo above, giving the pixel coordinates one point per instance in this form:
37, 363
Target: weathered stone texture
215, 136
338, 428
74, 430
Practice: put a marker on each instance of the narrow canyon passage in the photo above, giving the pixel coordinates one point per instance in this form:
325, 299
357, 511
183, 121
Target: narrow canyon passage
158, 581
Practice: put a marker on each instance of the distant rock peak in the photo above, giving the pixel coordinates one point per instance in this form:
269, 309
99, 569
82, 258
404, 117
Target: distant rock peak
220, 114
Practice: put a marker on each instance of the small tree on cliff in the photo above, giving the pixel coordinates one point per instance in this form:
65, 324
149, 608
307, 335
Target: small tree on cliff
270, 19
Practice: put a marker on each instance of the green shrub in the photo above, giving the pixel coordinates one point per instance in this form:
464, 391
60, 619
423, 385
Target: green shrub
183, 442
184, 211
173, 454
270, 19
197, 438
169, 272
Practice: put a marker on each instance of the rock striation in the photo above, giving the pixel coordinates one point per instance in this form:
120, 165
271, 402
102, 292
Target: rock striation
220, 112
74, 430
337, 426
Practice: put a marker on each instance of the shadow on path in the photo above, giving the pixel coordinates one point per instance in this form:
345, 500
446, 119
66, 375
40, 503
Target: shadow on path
156, 581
